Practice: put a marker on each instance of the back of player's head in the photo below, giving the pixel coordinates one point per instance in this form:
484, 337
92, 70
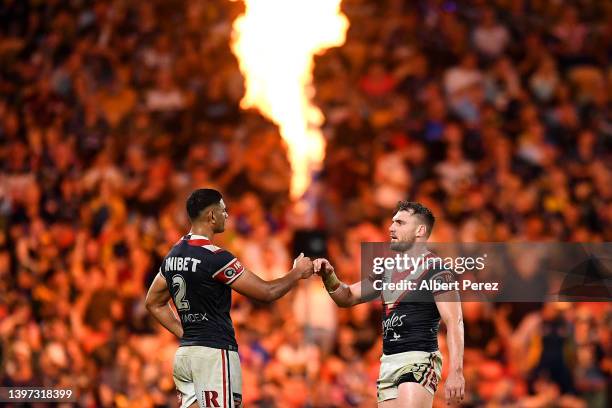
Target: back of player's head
200, 199
418, 210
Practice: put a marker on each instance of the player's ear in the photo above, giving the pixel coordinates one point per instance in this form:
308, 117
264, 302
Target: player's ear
210, 216
421, 231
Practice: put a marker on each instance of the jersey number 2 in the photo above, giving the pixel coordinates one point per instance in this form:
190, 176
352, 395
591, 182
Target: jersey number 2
179, 297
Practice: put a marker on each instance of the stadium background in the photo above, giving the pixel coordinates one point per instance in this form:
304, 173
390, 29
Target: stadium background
496, 114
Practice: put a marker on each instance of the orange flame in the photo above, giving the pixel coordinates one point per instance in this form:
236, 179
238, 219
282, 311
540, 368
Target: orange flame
275, 42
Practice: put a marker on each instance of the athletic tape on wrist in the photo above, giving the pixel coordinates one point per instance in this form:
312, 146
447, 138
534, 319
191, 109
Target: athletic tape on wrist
331, 282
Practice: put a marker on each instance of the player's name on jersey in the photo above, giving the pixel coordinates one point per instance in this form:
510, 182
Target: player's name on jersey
179, 263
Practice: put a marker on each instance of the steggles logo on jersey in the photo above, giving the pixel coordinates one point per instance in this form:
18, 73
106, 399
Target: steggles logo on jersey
391, 323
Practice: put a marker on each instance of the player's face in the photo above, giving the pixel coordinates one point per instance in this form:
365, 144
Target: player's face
404, 230
220, 214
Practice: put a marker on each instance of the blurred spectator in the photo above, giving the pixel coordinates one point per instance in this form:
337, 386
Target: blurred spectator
490, 37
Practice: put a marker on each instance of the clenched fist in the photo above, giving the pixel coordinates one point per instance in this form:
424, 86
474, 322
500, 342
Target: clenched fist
304, 265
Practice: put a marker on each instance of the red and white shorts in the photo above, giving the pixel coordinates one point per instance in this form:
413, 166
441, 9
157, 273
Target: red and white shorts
210, 376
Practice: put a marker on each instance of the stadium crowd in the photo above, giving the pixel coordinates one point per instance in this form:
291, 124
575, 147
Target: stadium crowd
495, 114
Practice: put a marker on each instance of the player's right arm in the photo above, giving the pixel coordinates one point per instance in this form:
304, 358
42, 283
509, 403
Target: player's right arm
342, 294
157, 303
251, 285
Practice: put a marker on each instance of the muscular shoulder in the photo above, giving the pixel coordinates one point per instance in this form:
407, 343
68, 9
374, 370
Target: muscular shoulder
209, 260
225, 267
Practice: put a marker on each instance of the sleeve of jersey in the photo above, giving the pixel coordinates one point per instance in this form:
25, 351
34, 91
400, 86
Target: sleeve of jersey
226, 267
443, 278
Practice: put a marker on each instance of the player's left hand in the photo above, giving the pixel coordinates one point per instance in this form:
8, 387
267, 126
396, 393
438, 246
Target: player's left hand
454, 389
322, 267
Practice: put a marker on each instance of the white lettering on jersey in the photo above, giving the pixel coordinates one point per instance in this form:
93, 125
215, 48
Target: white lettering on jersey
390, 323
178, 263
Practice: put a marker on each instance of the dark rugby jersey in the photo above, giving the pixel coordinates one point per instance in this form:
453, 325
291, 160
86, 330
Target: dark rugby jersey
198, 275
410, 325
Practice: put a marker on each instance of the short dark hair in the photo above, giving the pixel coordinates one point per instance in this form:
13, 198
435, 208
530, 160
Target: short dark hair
200, 199
420, 211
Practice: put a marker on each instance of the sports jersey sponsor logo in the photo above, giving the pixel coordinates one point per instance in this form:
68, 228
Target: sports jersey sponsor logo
229, 272
392, 322
179, 263
194, 318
